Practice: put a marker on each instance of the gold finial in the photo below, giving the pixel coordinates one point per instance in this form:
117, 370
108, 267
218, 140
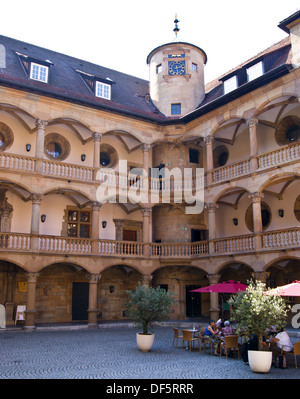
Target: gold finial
176, 29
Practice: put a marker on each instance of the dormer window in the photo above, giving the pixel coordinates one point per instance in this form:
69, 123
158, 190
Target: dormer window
39, 72
230, 84
103, 90
255, 71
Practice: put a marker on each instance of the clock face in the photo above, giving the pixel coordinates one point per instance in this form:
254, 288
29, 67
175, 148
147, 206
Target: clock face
176, 68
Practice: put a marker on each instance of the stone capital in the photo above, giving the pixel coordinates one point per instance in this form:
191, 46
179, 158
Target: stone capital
146, 212
97, 136
252, 122
146, 147
93, 277
36, 198
256, 197
32, 277
208, 140
210, 206
96, 205
213, 278
40, 124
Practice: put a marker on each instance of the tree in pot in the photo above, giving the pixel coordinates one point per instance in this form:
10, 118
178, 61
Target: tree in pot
147, 304
254, 312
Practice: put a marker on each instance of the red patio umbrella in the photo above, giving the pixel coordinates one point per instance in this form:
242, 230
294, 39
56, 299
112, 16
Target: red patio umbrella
292, 289
229, 286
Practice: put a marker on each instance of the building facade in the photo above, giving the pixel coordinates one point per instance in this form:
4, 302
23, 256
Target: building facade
72, 133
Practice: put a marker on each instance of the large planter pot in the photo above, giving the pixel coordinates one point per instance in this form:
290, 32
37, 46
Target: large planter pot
260, 361
144, 341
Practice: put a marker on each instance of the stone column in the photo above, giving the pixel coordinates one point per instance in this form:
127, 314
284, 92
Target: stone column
146, 165
252, 123
214, 297
257, 221
30, 301
211, 207
35, 220
40, 142
261, 276
93, 303
146, 212
96, 157
146, 279
209, 158
95, 226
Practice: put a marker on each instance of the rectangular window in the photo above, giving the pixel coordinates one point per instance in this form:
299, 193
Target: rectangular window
103, 90
159, 68
230, 84
194, 67
79, 223
255, 71
39, 72
176, 109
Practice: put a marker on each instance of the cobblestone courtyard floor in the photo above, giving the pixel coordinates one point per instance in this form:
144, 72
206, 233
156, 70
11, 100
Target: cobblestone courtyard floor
111, 353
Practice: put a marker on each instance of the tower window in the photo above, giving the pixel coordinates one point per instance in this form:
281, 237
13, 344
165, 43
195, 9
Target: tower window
194, 67
159, 68
176, 109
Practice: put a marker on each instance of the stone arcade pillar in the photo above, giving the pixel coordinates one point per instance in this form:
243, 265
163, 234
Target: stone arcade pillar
95, 226
30, 301
252, 123
214, 297
209, 158
261, 276
146, 212
93, 303
146, 279
257, 221
96, 157
40, 141
35, 220
211, 225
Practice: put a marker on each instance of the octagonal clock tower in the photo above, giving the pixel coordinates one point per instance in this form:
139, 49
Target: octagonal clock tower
177, 76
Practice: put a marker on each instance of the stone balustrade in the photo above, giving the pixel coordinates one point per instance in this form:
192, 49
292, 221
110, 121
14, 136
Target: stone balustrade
271, 240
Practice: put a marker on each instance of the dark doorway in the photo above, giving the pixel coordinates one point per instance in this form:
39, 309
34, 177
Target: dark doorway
80, 301
199, 235
193, 301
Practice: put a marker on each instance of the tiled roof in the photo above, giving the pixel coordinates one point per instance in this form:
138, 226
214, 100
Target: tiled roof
130, 95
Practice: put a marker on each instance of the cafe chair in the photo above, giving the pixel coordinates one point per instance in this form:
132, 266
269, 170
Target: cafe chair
176, 336
295, 352
202, 337
231, 342
187, 336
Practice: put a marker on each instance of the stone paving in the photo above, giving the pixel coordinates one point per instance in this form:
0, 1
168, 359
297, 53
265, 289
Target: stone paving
111, 353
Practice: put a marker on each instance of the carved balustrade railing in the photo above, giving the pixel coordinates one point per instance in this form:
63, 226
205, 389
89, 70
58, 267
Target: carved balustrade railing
271, 240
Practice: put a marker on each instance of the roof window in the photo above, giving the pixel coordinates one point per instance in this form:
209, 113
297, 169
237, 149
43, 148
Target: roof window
230, 84
103, 90
39, 72
255, 71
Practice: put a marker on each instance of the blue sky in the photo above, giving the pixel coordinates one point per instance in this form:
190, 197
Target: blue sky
120, 34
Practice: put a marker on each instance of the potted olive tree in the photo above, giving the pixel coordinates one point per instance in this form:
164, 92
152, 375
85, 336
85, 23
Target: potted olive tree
254, 312
145, 305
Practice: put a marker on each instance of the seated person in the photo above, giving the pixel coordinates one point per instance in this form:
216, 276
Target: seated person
283, 342
210, 333
227, 330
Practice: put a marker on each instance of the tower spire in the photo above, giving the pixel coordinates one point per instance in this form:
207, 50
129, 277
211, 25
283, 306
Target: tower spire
176, 29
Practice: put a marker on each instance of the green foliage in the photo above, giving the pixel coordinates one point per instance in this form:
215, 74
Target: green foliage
254, 312
146, 304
